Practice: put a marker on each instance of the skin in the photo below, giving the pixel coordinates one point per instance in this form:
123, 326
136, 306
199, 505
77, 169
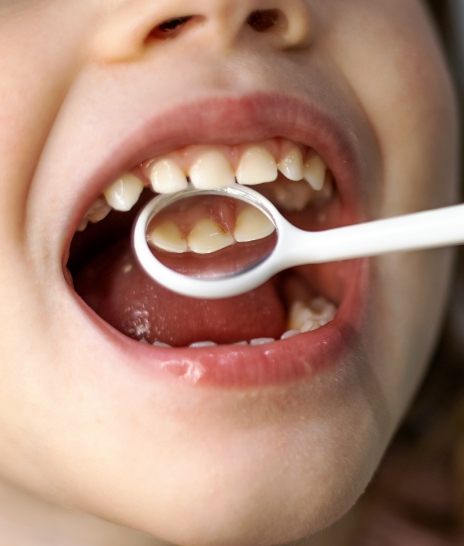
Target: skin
88, 454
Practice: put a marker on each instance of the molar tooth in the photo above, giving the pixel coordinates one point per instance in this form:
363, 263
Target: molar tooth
257, 166
212, 170
314, 171
98, 211
310, 317
251, 225
168, 236
298, 314
300, 317
291, 165
167, 177
207, 236
322, 309
123, 194
310, 325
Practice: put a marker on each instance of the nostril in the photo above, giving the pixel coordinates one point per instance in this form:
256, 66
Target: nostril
267, 20
171, 28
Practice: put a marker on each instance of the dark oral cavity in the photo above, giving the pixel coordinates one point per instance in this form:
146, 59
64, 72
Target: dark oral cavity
122, 294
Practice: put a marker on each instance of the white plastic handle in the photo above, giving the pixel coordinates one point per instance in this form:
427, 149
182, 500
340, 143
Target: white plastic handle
420, 230
428, 229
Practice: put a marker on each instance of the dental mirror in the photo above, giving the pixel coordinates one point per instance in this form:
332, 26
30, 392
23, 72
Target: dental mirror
219, 243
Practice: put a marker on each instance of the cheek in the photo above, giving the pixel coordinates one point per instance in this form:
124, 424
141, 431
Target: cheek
41, 52
397, 71
399, 76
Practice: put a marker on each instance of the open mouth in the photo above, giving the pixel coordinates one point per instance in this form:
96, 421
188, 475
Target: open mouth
299, 306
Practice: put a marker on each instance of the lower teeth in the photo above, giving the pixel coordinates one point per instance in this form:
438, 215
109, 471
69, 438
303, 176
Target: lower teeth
302, 318
306, 318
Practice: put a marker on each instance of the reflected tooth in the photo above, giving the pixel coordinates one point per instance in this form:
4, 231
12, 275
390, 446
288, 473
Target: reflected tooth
168, 236
261, 341
314, 172
291, 166
207, 236
251, 225
98, 211
257, 166
123, 194
212, 170
167, 177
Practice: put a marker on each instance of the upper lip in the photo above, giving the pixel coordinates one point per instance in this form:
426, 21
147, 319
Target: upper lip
231, 120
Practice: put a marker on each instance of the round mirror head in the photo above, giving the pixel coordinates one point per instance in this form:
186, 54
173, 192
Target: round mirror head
205, 236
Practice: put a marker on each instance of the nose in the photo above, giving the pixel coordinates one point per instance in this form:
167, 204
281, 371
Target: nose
135, 26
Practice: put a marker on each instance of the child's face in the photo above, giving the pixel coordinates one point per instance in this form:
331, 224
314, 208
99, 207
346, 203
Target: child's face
159, 439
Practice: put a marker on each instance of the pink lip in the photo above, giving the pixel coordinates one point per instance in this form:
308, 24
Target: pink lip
238, 120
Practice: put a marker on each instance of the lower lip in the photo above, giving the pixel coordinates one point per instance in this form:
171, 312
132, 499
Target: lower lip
299, 358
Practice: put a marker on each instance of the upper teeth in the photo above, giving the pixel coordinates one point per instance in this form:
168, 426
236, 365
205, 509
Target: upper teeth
124, 193
209, 167
257, 166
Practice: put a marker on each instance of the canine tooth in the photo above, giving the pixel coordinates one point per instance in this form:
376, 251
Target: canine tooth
327, 189
207, 236
124, 193
212, 170
289, 333
167, 177
98, 211
202, 344
314, 172
257, 166
261, 341
167, 236
291, 166
251, 225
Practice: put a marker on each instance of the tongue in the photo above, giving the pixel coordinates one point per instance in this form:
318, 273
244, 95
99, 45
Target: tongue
124, 296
